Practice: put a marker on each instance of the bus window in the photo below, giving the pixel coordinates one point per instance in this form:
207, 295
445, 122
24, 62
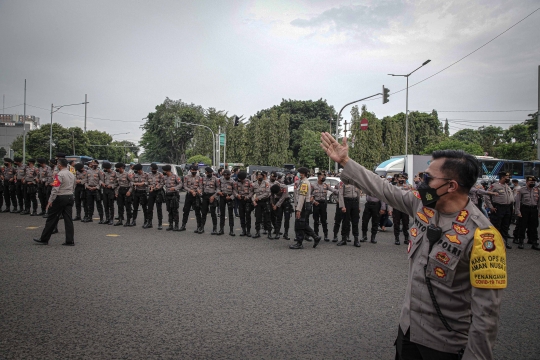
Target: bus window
515, 168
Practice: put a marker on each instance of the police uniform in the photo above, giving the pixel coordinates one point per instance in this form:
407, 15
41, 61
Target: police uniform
401, 219
44, 174
261, 195
80, 193
172, 185
155, 196
318, 198
94, 178
192, 186
349, 198
372, 211
502, 203
303, 208
226, 199
109, 184
9, 185
244, 192
456, 274
62, 205
19, 186
279, 199
30, 181
526, 209
338, 216
124, 195
208, 186
140, 185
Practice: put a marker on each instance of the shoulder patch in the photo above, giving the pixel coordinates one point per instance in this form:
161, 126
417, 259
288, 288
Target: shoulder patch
460, 229
462, 217
488, 260
422, 217
56, 182
417, 194
429, 212
303, 189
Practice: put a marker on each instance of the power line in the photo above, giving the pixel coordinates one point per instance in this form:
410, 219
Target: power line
9, 107
88, 117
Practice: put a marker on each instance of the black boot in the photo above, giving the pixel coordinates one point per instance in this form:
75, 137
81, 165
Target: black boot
364, 237
356, 241
231, 232
343, 241
133, 223
214, 231
508, 246
34, 213
270, 235
316, 241
243, 233
326, 237
221, 231
145, 225
127, 222
296, 245
276, 235
257, 234
183, 227
149, 224
170, 227
373, 241
176, 228
397, 242
101, 220
111, 221
286, 234
521, 246
119, 222
248, 232
406, 241
160, 225
335, 239
535, 246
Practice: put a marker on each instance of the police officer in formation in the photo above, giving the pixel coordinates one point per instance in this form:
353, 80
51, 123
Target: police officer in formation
208, 186
261, 195
501, 206
172, 184
226, 199
526, 209
401, 219
140, 185
192, 199
109, 184
9, 185
29, 182
281, 207
45, 173
80, 193
155, 196
349, 202
244, 192
92, 184
302, 212
19, 188
319, 191
124, 194
372, 211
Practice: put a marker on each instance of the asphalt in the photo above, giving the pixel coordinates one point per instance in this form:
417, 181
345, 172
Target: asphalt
130, 293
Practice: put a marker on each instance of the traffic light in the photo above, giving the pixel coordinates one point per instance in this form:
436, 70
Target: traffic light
236, 120
385, 95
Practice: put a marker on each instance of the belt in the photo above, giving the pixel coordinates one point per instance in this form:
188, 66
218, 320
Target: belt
372, 202
141, 191
208, 194
320, 201
124, 187
497, 204
529, 206
350, 199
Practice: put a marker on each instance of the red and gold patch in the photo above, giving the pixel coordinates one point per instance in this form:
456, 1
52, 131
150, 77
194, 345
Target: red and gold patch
429, 212
414, 232
462, 217
409, 246
488, 242
442, 257
422, 217
56, 182
439, 272
460, 229
453, 239
417, 194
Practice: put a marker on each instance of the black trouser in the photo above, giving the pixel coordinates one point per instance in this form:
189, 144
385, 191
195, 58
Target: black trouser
9, 194
42, 196
80, 199
230, 205
194, 201
528, 222
2, 195
320, 215
501, 218
403, 218
236, 206
207, 205
262, 215
108, 203
301, 226
245, 207
338, 218
124, 201
62, 205
283, 213
172, 203
351, 216
407, 350
139, 197
30, 192
19, 190
91, 196
156, 197
371, 211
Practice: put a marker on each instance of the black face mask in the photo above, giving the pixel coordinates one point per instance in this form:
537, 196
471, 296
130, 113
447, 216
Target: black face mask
154, 171
429, 195
194, 173
323, 179
208, 175
507, 181
530, 185
6, 164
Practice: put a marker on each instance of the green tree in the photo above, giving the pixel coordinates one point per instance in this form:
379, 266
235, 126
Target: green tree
366, 146
491, 136
515, 151
452, 144
199, 159
468, 136
446, 128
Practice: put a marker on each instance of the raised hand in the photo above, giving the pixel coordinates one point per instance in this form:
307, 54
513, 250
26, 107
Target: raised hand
337, 152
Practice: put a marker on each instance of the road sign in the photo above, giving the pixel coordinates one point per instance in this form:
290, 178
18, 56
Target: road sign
363, 124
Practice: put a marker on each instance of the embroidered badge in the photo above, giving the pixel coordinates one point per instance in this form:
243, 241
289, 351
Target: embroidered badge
453, 239
56, 182
416, 194
429, 212
442, 257
422, 217
463, 215
460, 229
414, 232
488, 242
439, 272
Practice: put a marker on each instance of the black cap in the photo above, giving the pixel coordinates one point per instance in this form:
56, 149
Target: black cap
227, 172
319, 173
120, 165
153, 166
264, 173
194, 167
33, 161
303, 170
209, 169
529, 178
41, 161
60, 155
273, 173
242, 175
166, 167
279, 175
79, 166
275, 188
18, 159
503, 173
137, 167
106, 165
8, 160
52, 161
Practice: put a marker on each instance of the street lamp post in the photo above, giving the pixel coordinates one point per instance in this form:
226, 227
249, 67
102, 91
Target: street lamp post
407, 105
53, 110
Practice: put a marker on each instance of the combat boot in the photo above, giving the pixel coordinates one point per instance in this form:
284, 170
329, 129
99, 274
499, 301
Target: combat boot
316, 241
119, 222
127, 222
170, 227
356, 241
257, 234
101, 220
277, 235
343, 241
286, 234
508, 246
221, 231
296, 245
326, 237
243, 233
176, 228
521, 246
214, 231
133, 223
397, 242
364, 237
149, 224
248, 232
183, 227
373, 241
111, 221
335, 239
270, 235
406, 241
160, 225
76, 218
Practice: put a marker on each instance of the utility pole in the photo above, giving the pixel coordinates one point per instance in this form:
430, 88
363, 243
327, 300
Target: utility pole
85, 102
3, 104
218, 147
538, 117
24, 125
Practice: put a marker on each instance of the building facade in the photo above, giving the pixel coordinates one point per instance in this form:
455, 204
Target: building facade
11, 126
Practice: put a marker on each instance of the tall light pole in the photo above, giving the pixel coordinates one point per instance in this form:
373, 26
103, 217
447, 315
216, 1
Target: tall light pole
53, 110
407, 106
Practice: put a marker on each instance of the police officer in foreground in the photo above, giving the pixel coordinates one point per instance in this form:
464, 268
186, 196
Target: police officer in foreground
501, 206
302, 211
243, 188
192, 185
208, 186
94, 178
372, 210
124, 194
226, 199
155, 196
140, 184
9, 185
60, 203
172, 185
80, 192
319, 192
452, 301
349, 202
527, 204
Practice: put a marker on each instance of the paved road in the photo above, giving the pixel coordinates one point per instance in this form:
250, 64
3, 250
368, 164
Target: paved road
144, 294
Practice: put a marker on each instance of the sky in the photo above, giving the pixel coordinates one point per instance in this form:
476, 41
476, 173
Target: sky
244, 56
